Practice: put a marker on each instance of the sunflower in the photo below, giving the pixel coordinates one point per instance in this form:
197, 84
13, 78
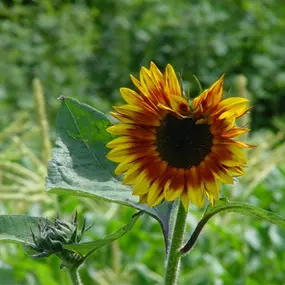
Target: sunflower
170, 148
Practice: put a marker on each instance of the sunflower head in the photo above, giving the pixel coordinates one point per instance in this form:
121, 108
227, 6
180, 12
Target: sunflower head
170, 148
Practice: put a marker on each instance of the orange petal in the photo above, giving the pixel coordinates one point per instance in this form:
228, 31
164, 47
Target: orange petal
174, 187
139, 115
215, 92
235, 171
150, 86
155, 193
132, 131
180, 105
218, 171
196, 191
235, 132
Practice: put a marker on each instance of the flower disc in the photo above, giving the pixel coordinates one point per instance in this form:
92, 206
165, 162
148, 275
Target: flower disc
182, 143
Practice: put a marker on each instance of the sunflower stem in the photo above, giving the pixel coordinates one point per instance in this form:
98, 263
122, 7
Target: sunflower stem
174, 254
74, 275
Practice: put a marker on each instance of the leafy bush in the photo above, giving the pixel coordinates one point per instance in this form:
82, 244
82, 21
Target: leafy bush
85, 50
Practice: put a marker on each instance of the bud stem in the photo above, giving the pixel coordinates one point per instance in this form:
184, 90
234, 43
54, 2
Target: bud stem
74, 276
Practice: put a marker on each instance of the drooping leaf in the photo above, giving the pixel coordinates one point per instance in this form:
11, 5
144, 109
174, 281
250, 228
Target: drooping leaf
223, 205
88, 247
79, 165
245, 209
17, 228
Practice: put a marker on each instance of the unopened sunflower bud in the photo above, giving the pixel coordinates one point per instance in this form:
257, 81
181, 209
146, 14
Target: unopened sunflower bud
53, 236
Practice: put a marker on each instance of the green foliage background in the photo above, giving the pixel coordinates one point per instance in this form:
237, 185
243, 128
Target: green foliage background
86, 50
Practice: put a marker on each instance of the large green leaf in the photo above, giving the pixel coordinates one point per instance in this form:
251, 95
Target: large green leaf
224, 205
17, 228
79, 165
88, 247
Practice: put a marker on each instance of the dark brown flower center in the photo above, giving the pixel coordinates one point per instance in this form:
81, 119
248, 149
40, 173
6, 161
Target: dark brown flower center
182, 143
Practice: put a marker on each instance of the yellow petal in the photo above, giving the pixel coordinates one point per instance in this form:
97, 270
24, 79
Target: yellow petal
157, 75
235, 171
212, 189
197, 196
129, 110
159, 199
130, 96
119, 141
139, 115
201, 98
154, 193
235, 132
172, 86
224, 177
143, 199
238, 154
232, 106
215, 92
196, 191
139, 86
122, 118
180, 105
147, 82
117, 152
229, 122
174, 187
132, 174
242, 144
185, 200
125, 165
141, 185
234, 143
243, 112
218, 171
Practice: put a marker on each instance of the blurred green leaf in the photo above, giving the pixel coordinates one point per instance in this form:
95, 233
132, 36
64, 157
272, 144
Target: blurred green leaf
7, 276
17, 228
89, 247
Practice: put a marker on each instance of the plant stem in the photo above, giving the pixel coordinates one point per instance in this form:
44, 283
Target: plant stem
194, 236
174, 255
74, 275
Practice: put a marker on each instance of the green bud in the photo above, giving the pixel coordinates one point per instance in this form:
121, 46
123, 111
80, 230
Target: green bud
53, 236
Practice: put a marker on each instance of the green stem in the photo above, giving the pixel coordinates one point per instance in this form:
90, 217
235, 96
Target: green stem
174, 255
74, 276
